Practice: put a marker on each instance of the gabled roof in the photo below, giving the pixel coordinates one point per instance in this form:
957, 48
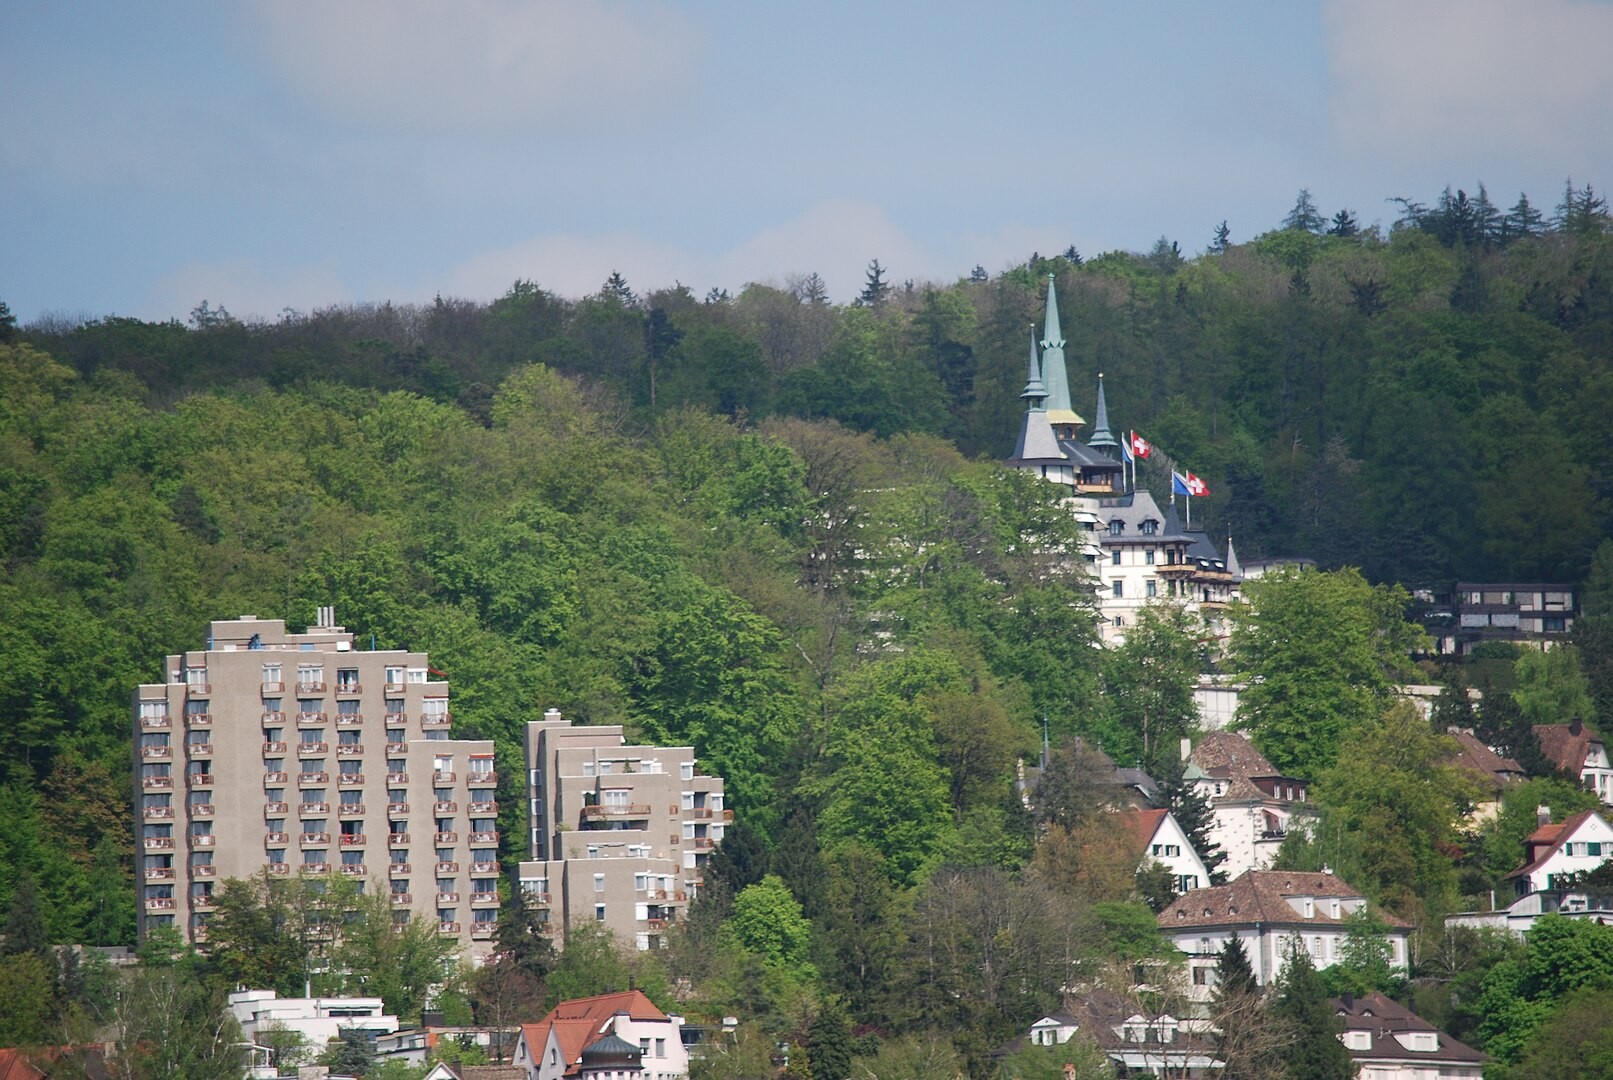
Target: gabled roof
1229, 756
1566, 745
14, 1065
580, 1022
603, 1006
1261, 896
1138, 827
1475, 757
1383, 1018
1547, 840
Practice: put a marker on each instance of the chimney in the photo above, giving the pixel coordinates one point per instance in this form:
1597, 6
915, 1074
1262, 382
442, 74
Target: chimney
1542, 815
1575, 726
551, 714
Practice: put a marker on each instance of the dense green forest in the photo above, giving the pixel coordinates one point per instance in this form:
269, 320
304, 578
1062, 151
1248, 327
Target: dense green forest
773, 527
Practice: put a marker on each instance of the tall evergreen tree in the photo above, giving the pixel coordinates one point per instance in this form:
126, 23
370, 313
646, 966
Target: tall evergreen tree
1221, 240
25, 922
1301, 1000
876, 290
829, 1043
1522, 220
616, 288
1304, 215
1192, 812
1344, 225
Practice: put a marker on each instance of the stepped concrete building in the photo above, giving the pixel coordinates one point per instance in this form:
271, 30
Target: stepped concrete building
620, 833
296, 753
1137, 552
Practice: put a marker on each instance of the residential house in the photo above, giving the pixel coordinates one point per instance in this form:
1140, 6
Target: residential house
1387, 1041
1139, 1041
317, 1019
1519, 917
1252, 803
1579, 751
585, 1038
1553, 851
1492, 772
1155, 836
1528, 613
1272, 912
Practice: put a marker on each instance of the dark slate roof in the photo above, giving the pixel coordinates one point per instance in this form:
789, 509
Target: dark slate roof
1085, 457
1383, 1019
1133, 509
1565, 745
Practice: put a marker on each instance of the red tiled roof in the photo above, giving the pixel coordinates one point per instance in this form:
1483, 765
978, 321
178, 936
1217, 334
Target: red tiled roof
14, 1065
1565, 745
1544, 842
1260, 896
579, 1022
1138, 828
1475, 757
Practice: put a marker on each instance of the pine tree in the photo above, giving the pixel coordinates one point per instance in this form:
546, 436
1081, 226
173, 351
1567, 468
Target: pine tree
1233, 973
1344, 225
1581, 211
1453, 709
979, 275
8, 324
522, 937
1192, 812
829, 1043
1304, 215
1522, 220
1488, 223
812, 290
1316, 1053
616, 288
877, 289
25, 922
1072, 256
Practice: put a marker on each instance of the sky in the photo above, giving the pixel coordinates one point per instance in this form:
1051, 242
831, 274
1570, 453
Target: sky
284, 154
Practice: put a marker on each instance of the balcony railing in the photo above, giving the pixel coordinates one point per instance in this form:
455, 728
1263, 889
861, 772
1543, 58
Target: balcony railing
313, 749
275, 779
351, 809
310, 687
160, 903
446, 838
357, 870
157, 753
481, 809
199, 719
200, 779
348, 688
273, 719
313, 809
317, 869
197, 750
396, 749
483, 899
314, 839
484, 868
436, 720
703, 843
160, 873
201, 810
446, 898
707, 813
482, 779
159, 813
666, 896
619, 810
397, 809
276, 839
393, 689
443, 777
203, 841
156, 723
279, 869
202, 903
484, 839
446, 868
275, 749
447, 928
349, 719
273, 689
441, 808
397, 839
199, 689
353, 839
313, 779
482, 931
201, 873
158, 843
350, 779
349, 749
655, 925
537, 899
398, 869
311, 719
402, 899
156, 783
396, 719
397, 779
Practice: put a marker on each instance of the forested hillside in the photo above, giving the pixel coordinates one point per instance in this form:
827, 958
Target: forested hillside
773, 528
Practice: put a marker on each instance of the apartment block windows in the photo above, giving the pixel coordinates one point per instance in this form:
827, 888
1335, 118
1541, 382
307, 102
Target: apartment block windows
347, 681
310, 678
1114, 557
686, 771
1148, 556
1118, 588
273, 678
1152, 589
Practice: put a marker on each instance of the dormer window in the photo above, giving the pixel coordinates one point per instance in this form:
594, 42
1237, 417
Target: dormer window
1150, 527
1116, 527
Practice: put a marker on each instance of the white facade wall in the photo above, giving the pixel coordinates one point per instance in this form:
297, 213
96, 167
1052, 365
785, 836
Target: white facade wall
1172, 848
1590, 845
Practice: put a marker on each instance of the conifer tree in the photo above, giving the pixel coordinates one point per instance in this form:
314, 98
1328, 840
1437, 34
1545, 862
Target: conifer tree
1192, 812
616, 288
1344, 225
25, 922
1304, 215
1222, 239
1316, 1052
1522, 220
877, 289
829, 1043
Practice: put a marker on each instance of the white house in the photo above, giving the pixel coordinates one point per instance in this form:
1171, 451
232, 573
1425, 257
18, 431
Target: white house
1390, 1042
579, 1038
1271, 912
1138, 1043
318, 1020
1155, 836
1252, 803
1575, 748
1581, 843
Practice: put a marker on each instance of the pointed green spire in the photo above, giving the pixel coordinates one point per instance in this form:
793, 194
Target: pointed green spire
1035, 389
1102, 438
1054, 377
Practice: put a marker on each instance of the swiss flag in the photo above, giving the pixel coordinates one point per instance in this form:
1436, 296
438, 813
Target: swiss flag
1140, 446
1195, 486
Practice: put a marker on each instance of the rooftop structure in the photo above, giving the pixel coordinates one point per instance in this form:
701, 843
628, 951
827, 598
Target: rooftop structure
609, 1035
1387, 1041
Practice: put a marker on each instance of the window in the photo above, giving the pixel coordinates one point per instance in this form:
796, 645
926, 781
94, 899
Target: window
153, 710
1118, 588
1116, 528
1151, 586
347, 679
660, 1048
394, 676
1148, 556
1149, 528
415, 675
686, 771
599, 882
1316, 948
599, 912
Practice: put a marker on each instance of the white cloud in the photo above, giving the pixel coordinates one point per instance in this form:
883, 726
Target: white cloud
1473, 79
481, 64
246, 288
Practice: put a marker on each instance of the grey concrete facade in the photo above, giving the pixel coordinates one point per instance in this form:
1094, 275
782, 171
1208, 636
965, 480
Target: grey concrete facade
297, 753
620, 833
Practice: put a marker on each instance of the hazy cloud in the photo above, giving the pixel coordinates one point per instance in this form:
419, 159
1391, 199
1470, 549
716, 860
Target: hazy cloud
489, 64
1419, 79
246, 288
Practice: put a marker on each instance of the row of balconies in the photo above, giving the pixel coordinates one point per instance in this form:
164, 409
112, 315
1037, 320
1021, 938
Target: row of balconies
343, 689
166, 723
198, 842
706, 813
169, 813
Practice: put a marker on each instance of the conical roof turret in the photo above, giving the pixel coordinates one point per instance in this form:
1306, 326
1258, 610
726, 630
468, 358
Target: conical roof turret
1038, 446
1054, 375
1035, 389
1103, 439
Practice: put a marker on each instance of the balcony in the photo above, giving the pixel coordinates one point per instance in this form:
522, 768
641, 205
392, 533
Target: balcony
316, 869
200, 779
276, 779
396, 719
397, 810
278, 869
156, 783
446, 839
350, 779
158, 843
201, 810
446, 868
396, 749
706, 813
656, 925
156, 723
199, 719
313, 809
203, 842
441, 808
204, 873
314, 839
349, 719
313, 749
448, 928
353, 839
702, 843
444, 899
397, 779
157, 874
199, 689
160, 903
350, 750
348, 689
357, 870
311, 719
666, 896
157, 753
482, 809
158, 813
402, 899
275, 749
398, 870
351, 810
198, 750
436, 720
393, 689
483, 931
305, 688
482, 779
397, 840
483, 868
276, 839
484, 899
620, 810
442, 777
484, 839
537, 899
313, 779
272, 689
203, 903
274, 719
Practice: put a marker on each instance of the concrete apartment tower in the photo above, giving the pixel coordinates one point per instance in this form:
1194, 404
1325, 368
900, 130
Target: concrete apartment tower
620, 833
299, 753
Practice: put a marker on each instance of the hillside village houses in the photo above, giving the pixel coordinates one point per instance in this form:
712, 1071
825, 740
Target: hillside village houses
1251, 802
1545, 883
1579, 751
1155, 836
621, 1036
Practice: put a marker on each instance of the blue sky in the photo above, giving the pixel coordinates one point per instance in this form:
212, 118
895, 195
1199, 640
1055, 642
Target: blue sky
266, 155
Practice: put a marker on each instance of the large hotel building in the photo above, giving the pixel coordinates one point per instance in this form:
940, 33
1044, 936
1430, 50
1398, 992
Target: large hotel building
299, 754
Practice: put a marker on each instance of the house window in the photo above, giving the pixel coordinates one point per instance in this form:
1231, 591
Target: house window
599, 882
1116, 528
686, 770
1118, 588
1152, 587
1148, 556
1114, 557
599, 912
1149, 528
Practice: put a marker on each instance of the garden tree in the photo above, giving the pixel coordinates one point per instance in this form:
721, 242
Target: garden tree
25, 923
1300, 1002
767, 921
593, 962
1577, 1041
1249, 1040
828, 1043
521, 938
1593, 642
739, 860
1192, 812
1077, 784
398, 963
1596, 596
1450, 973
1364, 963
926, 1055
742, 1055
1551, 688
169, 1022
1321, 652
860, 938
263, 933
1077, 1059
350, 1054
1148, 683
29, 1010
1502, 726
1453, 709
1560, 958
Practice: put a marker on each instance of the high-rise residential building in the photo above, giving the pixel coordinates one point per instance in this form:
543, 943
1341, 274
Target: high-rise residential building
298, 753
620, 833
